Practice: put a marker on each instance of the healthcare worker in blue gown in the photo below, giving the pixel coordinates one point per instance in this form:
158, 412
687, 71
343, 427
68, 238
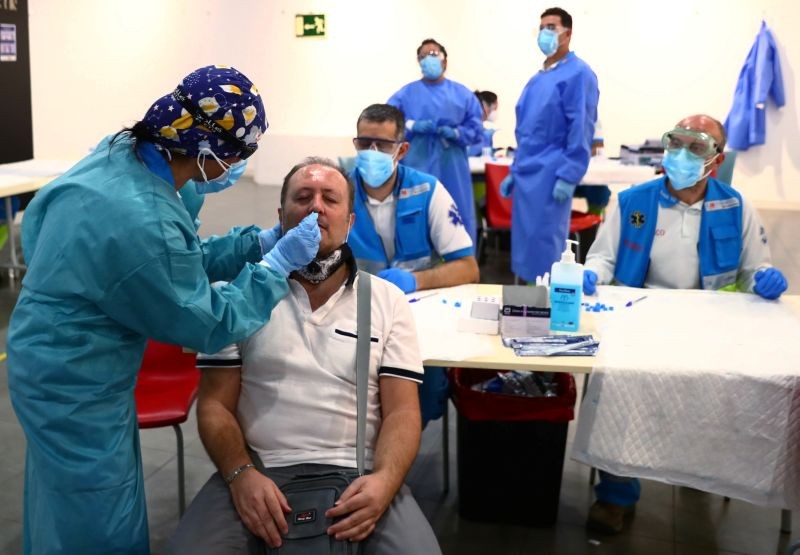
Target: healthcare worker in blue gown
443, 118
555, 124
113, 259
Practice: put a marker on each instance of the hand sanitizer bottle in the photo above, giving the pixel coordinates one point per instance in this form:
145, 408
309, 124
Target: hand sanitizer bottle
566, 292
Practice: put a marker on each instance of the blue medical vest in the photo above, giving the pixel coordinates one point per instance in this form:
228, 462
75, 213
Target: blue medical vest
719, 245
412, 244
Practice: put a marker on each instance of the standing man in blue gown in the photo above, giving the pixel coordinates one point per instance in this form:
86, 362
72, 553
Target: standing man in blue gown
555, 125
443, 118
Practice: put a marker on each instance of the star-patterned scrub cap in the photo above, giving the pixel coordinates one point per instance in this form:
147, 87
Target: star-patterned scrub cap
214, 107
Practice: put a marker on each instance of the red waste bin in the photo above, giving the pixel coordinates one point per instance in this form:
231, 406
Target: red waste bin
510, 450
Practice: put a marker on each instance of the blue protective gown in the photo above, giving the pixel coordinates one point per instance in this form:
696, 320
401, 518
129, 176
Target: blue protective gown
445, 103
760, 77
555, 125
113, 258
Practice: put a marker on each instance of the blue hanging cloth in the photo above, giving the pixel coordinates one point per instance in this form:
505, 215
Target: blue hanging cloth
761, 76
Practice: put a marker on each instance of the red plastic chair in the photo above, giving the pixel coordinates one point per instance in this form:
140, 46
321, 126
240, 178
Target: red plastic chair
498, 214
498, 209
165, 390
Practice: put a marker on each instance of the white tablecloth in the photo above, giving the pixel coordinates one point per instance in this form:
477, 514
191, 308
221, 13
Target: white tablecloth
700, 389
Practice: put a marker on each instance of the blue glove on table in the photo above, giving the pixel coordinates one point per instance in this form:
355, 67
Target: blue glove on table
404, 279
563, 190
770, 283
297, 248
448, 132
589, 282
423, 127
268, 238
507, 186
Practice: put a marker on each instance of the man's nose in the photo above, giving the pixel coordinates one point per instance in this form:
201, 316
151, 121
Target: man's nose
317, 205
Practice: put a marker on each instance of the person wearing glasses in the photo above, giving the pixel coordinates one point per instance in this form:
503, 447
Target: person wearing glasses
556, 113
684, 230
443, 118
113, 259
407, 228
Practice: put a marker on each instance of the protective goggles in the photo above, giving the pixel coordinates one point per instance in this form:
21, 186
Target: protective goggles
245, 150
382, 145
698, 143
434, 53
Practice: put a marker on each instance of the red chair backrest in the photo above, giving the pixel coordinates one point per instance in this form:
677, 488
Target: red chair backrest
166, 385
498, 209
580, 221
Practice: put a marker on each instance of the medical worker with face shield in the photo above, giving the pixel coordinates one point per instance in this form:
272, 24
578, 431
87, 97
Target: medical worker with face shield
555, 125
443, 118
113, 259
685, 230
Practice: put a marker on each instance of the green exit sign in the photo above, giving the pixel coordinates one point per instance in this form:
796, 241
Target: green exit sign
309, 25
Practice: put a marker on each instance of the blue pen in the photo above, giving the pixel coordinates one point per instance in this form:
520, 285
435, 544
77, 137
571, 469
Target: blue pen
631, 303
416, 299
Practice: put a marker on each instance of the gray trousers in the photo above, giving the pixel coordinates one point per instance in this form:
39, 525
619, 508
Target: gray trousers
212, 526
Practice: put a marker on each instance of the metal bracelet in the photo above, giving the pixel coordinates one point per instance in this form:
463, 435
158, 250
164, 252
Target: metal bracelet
232, 476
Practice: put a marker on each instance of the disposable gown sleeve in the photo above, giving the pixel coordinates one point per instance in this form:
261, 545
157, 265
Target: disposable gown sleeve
579, 101
768, 75
224, 256
168, 297
470, 130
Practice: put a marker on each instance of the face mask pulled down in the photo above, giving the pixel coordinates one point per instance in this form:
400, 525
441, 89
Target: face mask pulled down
320, 269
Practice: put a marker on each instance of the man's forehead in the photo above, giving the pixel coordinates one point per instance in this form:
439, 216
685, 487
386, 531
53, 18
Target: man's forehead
318, 177
546, 20
702, 125
377, 129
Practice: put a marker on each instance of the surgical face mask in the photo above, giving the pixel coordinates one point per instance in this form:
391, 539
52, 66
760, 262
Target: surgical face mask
375, 167
321, 269
492, 116
684, 169
547, 41
227, 178
431, 67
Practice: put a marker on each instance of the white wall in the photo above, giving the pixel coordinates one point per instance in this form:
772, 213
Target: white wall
97, 64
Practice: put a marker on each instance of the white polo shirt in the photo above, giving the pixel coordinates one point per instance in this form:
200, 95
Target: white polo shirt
298, 396
447, 235
674, 260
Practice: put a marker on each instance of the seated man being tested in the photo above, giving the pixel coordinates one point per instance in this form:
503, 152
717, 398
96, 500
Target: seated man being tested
408, 229
684, 230
283, 402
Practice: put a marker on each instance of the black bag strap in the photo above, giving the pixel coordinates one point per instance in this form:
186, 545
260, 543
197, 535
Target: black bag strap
363, 343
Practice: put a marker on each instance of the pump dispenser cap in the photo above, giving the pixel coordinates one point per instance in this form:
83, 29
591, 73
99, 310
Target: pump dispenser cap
568, 256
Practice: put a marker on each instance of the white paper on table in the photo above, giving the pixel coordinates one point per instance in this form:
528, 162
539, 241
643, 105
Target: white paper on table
437, 320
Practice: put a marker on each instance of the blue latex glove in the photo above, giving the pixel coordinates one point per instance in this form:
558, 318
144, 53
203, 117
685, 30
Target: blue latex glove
268, 238
507, 186
404, 279
423, 127
589, 282
770, 283
297, 248
563, 191
448, 132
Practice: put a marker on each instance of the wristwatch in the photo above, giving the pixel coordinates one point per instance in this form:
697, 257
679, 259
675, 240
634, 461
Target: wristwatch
238, 470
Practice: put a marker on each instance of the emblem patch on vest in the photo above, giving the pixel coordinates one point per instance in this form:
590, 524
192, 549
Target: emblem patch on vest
637, 219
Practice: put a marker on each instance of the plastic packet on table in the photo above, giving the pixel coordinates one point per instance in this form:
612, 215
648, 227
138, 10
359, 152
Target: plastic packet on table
524, 384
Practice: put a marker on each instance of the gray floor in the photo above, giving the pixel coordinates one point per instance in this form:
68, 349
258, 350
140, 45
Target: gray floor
669, 520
